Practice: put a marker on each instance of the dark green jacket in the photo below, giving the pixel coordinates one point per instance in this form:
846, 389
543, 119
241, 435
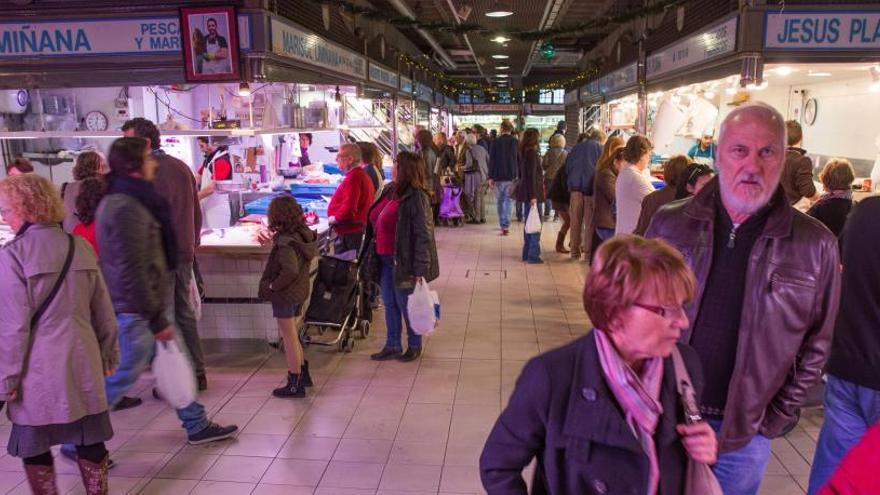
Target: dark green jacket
286, 276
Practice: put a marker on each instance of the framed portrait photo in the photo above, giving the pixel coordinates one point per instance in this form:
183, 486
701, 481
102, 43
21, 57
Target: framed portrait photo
210, 43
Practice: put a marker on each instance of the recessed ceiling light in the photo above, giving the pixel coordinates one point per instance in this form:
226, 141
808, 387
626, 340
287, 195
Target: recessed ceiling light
496, 10
819, 74
502, 67
500, 39
503, 57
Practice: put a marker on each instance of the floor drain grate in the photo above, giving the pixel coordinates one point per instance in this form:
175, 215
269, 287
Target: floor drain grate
485, 273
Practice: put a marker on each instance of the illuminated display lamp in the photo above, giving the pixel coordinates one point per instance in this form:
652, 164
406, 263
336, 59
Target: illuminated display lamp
244, 89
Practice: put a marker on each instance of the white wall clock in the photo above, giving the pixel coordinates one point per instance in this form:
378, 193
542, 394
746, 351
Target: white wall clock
811, 108
96, 121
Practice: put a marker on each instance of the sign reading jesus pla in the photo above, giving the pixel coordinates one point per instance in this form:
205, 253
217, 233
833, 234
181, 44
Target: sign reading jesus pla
812, 30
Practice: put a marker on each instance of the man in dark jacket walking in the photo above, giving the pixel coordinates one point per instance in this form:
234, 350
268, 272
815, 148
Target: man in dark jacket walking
767, 294
176, 183
581, 166
136, 233
503, 165
852, 394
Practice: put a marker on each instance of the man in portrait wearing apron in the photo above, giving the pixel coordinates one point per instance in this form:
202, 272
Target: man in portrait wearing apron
217, 51
217, 166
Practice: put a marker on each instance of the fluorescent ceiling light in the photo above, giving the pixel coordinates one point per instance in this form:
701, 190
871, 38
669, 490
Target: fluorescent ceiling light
819, 74
503, 57
502, 67
496, 10
500, 39
502, 76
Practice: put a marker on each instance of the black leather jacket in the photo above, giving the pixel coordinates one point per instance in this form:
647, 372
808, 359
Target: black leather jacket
133, 259
791, 298
415, 252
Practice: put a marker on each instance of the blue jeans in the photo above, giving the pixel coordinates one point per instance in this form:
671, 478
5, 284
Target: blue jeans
395, 299
502, 195
137, 347
531, 242
520, 206
740, 472
850, 410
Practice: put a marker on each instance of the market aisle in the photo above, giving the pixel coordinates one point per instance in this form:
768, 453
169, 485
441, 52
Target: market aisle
380, 428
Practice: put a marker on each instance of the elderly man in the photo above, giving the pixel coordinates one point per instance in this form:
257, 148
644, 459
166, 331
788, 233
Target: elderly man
348, 208
767, 296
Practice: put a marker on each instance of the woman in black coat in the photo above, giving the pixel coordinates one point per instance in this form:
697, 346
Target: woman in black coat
530, 190
399, 251
602, 414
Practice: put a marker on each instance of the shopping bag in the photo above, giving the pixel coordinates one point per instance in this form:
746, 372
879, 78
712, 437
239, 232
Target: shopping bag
175, 378
533, 222
423, 308
195, 299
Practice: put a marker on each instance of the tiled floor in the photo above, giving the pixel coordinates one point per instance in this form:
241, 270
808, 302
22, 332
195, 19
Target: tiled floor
380, 428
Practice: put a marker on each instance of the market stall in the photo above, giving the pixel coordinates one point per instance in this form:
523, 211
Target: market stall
690, 84
281, 117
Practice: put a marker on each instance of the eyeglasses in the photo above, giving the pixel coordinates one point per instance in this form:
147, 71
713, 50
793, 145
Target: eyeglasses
664, 311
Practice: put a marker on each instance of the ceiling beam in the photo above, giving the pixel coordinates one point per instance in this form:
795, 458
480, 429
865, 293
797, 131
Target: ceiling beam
466, 39
404, 10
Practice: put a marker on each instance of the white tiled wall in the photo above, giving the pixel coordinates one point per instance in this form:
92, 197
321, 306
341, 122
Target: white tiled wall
234, 276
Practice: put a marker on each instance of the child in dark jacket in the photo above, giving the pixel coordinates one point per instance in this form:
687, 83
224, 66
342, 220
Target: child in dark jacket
285, 283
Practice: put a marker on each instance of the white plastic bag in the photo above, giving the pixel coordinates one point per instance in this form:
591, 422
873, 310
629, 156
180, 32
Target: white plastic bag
174, 375
195, 298
533, 222
420, 306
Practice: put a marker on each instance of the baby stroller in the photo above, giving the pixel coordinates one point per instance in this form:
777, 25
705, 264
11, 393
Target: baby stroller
450, 204
338, 301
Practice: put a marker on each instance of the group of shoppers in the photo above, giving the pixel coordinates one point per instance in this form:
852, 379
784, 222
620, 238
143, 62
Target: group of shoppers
753, 311
78, 330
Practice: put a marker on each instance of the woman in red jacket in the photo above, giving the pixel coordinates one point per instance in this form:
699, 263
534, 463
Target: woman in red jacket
91, 191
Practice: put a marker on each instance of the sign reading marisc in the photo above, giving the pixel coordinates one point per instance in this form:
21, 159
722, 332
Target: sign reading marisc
298, 44
129, 36
717, 41
812, 30
381, 75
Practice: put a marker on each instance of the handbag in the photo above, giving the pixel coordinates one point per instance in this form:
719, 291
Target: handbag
699, 478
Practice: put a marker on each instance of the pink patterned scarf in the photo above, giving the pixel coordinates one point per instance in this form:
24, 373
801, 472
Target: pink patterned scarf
638, 395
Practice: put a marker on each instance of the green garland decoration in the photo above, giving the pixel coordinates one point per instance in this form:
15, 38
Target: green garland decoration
522, 35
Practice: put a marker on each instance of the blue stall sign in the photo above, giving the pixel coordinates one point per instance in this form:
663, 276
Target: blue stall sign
828, 30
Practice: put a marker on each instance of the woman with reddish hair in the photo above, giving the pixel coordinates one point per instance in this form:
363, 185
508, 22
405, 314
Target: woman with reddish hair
602, 414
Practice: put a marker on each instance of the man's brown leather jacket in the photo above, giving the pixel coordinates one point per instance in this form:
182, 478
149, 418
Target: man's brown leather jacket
791, 298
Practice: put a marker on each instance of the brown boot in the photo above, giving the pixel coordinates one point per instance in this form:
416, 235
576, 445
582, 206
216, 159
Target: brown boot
560, 244
41, 479
94, 476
